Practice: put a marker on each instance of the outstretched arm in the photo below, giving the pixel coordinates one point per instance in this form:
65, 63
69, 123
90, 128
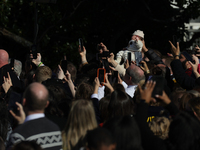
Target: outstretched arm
181, 77
67, 78
83, 55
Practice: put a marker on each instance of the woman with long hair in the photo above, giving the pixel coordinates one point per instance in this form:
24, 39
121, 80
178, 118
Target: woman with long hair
80, 120
120, 104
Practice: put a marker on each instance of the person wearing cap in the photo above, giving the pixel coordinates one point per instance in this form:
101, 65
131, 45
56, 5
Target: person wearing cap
134, 46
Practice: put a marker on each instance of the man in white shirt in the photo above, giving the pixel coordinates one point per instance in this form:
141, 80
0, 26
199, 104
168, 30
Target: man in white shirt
134, 75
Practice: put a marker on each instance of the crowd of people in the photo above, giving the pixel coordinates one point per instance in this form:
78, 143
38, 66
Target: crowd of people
137, 99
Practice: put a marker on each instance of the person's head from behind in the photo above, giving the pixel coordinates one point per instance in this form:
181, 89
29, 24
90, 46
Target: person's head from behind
176, 95
134, 75
184, 132
56, 95
100, 139
84, 91
103, 107
81, 118
4, 58
27, 145
125, 132
195, 106
120, 104
160, 127
119, 87
185, 99
42, 74
72, 70
35, 98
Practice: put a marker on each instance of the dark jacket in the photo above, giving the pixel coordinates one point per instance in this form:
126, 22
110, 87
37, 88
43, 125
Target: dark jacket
3, 73
181, 77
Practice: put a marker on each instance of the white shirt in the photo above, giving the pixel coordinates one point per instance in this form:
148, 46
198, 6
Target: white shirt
34, 116
100, 94
130, 90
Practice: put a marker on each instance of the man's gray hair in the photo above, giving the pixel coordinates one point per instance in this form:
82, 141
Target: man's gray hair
135, 75
17, 66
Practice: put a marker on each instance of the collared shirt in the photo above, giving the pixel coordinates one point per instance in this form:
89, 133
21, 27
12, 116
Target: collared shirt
130, 89
100, 94
34, 116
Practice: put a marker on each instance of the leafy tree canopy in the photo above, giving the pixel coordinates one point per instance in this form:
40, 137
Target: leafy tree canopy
111, 22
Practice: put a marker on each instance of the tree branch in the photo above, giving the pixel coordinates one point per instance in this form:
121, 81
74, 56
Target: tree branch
16, 38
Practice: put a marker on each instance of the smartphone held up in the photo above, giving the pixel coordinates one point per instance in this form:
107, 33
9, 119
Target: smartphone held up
80, 41
101, 72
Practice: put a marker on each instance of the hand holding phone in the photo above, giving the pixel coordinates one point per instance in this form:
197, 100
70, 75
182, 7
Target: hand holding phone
129, 58
81, 44
64, 64
20, 115
159, 87
33, 51
101, 75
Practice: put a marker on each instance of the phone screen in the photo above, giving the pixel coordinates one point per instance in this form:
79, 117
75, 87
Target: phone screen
115, 76
33, 51
64, 65
106, 65
138, 58
129, 58
81, 43
14, 97
101, 74
159, 87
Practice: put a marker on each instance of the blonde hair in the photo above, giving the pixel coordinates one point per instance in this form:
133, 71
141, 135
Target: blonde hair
81, 118
160, 127
43, 73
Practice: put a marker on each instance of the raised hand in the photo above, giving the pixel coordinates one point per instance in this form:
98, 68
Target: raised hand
7, 83
60, 73
36, 61
107, 83
21, 117
145, 68
175, 50
164, 98
147, 92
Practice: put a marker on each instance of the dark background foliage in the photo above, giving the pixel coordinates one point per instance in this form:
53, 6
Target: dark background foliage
111, 22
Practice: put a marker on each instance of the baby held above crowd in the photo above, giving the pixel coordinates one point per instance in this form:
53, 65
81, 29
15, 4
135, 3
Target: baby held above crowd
134, 48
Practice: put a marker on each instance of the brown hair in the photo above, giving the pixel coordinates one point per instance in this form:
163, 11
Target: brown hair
186, 97
103, 107
195, 105
84, 91
72, 70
